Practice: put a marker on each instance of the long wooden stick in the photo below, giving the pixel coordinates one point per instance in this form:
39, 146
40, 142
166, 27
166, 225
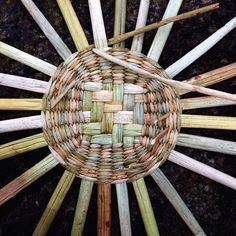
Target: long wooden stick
27, 178
21, 104
54, 204
208, 122
73, 24
164, 31
27, 59
47, 29
84, 197
156, 25
24, 83
202, 169
206, 143
198, 51
176, 84
177, 202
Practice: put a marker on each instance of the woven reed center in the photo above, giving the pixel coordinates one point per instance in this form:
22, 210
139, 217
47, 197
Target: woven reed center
111, 125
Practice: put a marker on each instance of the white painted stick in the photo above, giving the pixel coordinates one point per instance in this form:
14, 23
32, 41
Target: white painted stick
202, 169
177, 202
47, 29
198, 51
123, 207
99, 34
30, 122
137, 43
163, 32
27, 59
205, 143
24, 83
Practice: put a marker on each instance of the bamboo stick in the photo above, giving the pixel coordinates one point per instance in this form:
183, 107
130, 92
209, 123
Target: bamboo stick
202, 169
176, 84
119, 22
99, 33
22, 145
198, 51
24, 83
208, 122
163, 32
177, 202
123, 207
212, 77
145, 207
54, 204
73, 24
158, 24
21, 104
47, 29
137, 43
84, 197
104, 210
204, 102
205, 143
27, 178
24, 123
27, 59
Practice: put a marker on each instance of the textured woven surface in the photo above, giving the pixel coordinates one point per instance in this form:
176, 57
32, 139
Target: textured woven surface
111, 124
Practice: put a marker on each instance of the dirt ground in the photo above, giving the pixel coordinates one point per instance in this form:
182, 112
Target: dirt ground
213, 205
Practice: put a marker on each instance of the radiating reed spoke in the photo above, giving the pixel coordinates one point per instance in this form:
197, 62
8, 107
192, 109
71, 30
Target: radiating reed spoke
205, 143
24, 83
208, 122
177, 202
198, 51
163, 32
47, 29
202, 169
30, 122
22, 145
27, 59
84, 197
145, 207
54, 204
21, 104
27, 178
137, 43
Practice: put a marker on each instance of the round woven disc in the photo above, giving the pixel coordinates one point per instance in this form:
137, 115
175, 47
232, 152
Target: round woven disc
106, 123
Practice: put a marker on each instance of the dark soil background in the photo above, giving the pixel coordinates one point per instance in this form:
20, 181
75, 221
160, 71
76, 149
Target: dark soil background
213, 205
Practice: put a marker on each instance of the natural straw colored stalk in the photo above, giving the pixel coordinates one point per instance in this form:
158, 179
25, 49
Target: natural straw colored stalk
156, 25
163, 32
137, 43
202, 169
47, 29
30, 122
212, 77
208, 122
27, 59
145, 207
119, 21
27, 178
22, 145
99, 34
73, 24
84, 197
204, 102
24, 83
21, 104
198, 51
104, 210
176, 84
123, 207
54, 204
177, 202
205, 143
